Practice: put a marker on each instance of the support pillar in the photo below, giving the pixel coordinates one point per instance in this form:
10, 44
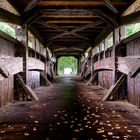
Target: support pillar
22, 36
25, 58
99, 55
116, 37
34, 45
105, 47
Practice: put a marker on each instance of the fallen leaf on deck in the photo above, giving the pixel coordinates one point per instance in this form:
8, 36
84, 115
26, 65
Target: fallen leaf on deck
26, 134
110, 133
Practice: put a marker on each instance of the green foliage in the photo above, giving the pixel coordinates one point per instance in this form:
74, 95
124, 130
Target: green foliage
131, 29
7, 29
110, 42
66, 62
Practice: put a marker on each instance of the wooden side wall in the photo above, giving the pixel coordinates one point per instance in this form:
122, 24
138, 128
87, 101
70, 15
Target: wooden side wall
33, 76
133, 84
105, 78
34, 79
7, 49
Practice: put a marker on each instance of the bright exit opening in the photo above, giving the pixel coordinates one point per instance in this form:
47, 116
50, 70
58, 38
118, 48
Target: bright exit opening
67, 66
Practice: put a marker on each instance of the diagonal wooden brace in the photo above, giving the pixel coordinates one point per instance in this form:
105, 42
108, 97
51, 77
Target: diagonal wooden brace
114, 88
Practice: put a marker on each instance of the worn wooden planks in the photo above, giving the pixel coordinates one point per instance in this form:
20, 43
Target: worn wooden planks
104, 64
128, 65
11, 66
114, 87
34, 79
7, 50
27, 89
14, 65
35, 64
133, 84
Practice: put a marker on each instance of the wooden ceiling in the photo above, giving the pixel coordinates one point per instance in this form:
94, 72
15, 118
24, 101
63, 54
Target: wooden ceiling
69, 27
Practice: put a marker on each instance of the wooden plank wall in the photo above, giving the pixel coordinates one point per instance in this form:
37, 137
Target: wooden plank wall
105, 78
34, 79
7, 49
33, 76
133, 84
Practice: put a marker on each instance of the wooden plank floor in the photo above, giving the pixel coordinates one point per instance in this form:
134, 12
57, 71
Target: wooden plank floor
68, 110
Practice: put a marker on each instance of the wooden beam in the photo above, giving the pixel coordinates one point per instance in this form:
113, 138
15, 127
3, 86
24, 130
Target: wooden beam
70, 22
66, 48
114, 87
68, 54
92, 78
6, 16
114, 55
110, 6
30, 6
87, 26
78, 3
87, 72
44, 77
8, 37
70, 16
3, 71
58, 36
68, 33
51, 31
25, 57
51, 25
80, 36
27, 89
134, 72
131, 18
69, 12
132, 8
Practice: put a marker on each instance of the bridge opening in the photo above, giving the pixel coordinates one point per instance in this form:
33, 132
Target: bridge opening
67, 65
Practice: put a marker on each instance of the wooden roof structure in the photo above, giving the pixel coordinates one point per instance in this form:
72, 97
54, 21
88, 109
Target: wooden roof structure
70, 27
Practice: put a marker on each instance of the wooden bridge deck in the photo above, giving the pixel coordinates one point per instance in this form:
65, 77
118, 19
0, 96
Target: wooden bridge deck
68, 110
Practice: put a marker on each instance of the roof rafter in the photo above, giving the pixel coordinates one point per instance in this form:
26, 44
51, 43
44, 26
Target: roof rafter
78, 3
51, 25
30, 6
87, 26
111, 6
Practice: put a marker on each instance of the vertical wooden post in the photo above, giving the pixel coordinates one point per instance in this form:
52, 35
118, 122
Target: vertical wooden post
114, 56
99, 55
39, 51
92, 64
116, 37
25, 59
121, 33
79, 66
105, 47
35, 47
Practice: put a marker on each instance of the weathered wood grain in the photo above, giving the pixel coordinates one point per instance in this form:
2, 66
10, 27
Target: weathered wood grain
114, 87
27, 89
11, 65
14, 65
35, 64
127, 65
104, 64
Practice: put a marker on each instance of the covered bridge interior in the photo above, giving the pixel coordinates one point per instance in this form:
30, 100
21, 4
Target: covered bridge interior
101, 101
